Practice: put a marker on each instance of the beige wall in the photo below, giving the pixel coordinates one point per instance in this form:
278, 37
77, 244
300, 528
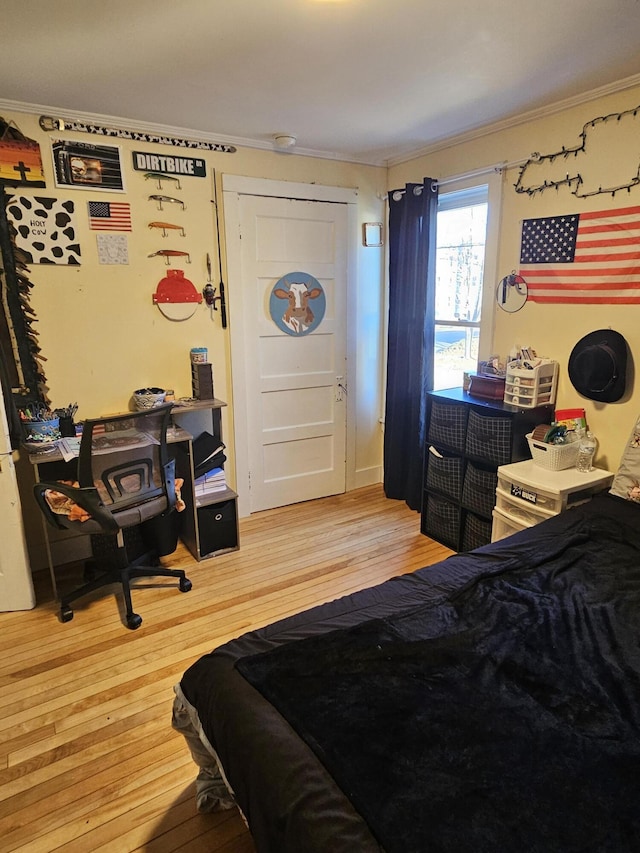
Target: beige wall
552, 330
103, 337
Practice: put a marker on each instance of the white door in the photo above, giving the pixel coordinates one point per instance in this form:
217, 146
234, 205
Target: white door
293, 374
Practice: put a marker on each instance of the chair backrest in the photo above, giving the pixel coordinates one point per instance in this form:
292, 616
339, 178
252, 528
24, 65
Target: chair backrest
125, 457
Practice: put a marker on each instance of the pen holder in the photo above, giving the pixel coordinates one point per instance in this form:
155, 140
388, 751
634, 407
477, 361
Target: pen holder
67, 427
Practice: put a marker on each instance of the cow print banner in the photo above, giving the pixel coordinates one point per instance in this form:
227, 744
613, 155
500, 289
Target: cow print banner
45, 229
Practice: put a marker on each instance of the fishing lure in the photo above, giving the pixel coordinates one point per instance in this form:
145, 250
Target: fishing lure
166, 198
160, 177
170, 253
167, 226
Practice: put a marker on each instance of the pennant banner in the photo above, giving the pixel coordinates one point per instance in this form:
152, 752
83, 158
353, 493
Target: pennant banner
587, 258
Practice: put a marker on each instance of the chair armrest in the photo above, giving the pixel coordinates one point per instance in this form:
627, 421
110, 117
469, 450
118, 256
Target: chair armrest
170, 481
87, 498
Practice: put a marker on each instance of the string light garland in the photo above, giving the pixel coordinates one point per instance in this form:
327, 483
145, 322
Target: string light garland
575, 181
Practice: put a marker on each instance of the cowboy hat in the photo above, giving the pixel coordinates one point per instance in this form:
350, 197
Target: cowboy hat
598, 364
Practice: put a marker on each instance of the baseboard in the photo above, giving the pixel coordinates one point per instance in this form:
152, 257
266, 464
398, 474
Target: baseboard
368, 476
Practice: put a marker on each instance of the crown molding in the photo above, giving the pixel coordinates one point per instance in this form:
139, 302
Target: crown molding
516, 121
267, 144
169, 130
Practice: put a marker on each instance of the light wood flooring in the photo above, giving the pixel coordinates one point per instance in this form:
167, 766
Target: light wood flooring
88, 759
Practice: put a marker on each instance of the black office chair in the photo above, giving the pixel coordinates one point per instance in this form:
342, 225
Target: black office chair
126, 484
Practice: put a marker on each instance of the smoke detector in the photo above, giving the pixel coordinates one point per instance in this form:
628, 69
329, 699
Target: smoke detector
284, 141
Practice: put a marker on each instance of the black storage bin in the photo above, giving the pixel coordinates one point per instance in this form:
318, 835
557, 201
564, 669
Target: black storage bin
218, 526
479, 490
489, 438
477, 532
444, 474
161, 533
441, 521
448, 425
473, 437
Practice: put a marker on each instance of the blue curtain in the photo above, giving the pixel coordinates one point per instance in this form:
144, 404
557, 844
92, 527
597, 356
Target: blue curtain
412, 227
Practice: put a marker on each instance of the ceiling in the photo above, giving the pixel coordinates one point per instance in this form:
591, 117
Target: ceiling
363, 80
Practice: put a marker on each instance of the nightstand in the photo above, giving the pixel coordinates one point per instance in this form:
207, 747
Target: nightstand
528, 494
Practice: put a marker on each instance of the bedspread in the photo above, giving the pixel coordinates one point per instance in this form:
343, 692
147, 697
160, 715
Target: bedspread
488, 703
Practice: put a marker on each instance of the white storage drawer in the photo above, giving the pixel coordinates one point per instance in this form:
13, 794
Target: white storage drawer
527, 513
524, 493
504, 525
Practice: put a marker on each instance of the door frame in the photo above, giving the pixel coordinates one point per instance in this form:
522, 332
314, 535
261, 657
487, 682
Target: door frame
234, 186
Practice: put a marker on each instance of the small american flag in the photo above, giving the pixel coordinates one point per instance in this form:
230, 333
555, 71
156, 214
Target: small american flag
109, 216
588, 258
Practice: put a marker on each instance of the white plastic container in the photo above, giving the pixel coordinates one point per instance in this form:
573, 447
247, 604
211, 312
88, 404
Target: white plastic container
531, 387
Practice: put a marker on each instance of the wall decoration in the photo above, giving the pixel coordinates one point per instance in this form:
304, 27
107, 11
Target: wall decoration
165, 227
167, 254
45, 229
20, 158
575, 168
160, 166
112, 249
166, 199
50, 123
511, 293
86, 166
176, 296
588, 258
372, 234
109, 216
21, 370
289, 303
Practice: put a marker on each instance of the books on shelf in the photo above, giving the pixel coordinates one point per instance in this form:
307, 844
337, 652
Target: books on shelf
210, 482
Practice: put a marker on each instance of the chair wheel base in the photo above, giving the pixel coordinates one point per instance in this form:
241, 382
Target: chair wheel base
66, 613
134, 621
185, 584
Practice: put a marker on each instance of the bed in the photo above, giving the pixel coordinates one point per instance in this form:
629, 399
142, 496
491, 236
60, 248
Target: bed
488, 703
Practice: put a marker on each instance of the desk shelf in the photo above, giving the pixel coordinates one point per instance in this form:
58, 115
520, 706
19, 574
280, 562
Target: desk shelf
210, 521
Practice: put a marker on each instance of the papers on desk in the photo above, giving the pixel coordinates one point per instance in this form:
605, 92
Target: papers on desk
69, 448
110, 442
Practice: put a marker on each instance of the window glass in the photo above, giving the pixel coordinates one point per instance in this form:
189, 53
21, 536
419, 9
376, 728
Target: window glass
460, 249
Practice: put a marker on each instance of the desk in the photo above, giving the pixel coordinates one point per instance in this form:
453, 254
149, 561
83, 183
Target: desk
209, 524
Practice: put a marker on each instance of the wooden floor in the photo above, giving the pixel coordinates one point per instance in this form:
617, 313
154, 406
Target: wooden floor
88, 759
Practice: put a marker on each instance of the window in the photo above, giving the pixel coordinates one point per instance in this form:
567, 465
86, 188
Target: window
461, 233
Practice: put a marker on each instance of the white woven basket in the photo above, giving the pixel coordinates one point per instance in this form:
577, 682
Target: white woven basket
553, 457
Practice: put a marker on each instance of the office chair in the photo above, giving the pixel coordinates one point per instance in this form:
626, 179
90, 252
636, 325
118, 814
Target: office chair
125, 483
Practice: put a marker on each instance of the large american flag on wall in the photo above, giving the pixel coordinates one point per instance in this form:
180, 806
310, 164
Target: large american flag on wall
587, 258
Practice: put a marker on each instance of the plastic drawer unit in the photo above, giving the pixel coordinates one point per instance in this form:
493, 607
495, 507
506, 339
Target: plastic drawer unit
527, 494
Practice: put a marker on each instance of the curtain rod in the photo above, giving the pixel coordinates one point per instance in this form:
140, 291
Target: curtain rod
485, 170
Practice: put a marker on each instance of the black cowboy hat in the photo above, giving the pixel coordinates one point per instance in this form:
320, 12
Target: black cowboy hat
598, 364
